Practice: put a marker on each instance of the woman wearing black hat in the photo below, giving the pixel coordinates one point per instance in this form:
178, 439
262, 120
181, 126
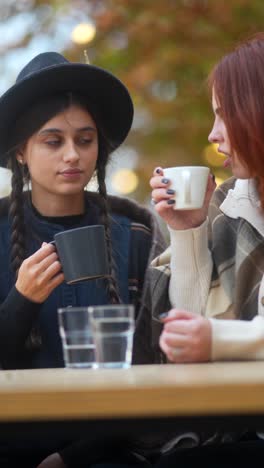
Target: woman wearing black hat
58, 125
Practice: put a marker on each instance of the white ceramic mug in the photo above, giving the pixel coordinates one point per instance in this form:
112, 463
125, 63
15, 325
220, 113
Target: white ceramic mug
189, 183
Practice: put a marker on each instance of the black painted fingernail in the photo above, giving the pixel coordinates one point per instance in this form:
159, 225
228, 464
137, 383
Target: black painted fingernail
165, 181
158, 170
163, 315
170, 202
212, 176
170, 191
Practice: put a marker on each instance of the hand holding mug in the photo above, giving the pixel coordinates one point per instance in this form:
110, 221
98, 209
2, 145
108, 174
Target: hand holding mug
182, 195
39, 274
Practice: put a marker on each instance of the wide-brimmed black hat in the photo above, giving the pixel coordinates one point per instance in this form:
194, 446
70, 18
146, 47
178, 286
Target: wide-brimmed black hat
50, 73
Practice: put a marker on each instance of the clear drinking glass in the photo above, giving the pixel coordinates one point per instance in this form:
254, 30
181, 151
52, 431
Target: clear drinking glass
76, 335
113, 330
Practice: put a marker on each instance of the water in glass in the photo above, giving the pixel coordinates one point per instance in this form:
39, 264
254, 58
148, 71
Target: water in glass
113, 341
78, 349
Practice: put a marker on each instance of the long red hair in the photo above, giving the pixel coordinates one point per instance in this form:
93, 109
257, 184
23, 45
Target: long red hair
238, 83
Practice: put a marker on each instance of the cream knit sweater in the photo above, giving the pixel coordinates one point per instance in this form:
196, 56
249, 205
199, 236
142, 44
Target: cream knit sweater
191, 287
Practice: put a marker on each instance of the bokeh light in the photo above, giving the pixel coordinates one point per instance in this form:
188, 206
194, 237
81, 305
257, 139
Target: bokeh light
83, 33
124, 181
212, 156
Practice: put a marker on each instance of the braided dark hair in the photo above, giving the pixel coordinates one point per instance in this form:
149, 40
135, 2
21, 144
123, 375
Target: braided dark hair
25, 127
16, 214
103, 156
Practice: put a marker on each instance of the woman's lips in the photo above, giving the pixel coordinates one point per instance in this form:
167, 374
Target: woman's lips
227, 162
71, 173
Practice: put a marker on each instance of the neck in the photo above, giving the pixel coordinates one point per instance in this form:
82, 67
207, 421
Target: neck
59, 206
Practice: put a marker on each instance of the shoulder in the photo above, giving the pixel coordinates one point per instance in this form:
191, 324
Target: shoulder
145, 227
143, 223
140, 219
127, 208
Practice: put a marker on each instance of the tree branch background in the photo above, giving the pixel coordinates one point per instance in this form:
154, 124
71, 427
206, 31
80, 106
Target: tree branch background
162, 50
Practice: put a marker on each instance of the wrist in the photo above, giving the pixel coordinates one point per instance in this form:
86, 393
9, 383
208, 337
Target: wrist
183, 226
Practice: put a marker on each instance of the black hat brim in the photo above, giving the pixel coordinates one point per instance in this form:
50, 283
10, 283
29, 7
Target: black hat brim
106, 94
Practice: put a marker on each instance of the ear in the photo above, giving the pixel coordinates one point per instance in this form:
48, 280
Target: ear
20, 157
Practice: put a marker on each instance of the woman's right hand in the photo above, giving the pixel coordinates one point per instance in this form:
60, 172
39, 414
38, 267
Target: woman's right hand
177, 219
39, 274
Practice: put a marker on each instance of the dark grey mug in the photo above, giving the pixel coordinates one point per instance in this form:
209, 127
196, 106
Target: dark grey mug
82, 253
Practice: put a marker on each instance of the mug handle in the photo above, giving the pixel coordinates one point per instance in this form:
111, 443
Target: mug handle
186, 175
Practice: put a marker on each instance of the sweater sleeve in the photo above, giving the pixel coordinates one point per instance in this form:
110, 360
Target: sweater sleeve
17, 314
237, 339
191, 269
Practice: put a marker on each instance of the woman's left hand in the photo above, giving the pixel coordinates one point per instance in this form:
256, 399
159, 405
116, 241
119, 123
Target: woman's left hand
186, 337
52, 461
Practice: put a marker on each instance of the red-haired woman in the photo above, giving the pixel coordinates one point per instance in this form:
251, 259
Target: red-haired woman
216, 255
224, 280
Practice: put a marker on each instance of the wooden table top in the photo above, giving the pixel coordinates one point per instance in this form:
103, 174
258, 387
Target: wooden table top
141, 391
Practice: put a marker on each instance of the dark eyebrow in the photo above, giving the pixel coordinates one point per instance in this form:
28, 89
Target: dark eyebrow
57, 130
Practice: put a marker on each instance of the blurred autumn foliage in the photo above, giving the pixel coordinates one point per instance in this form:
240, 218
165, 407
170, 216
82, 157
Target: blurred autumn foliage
163, 51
